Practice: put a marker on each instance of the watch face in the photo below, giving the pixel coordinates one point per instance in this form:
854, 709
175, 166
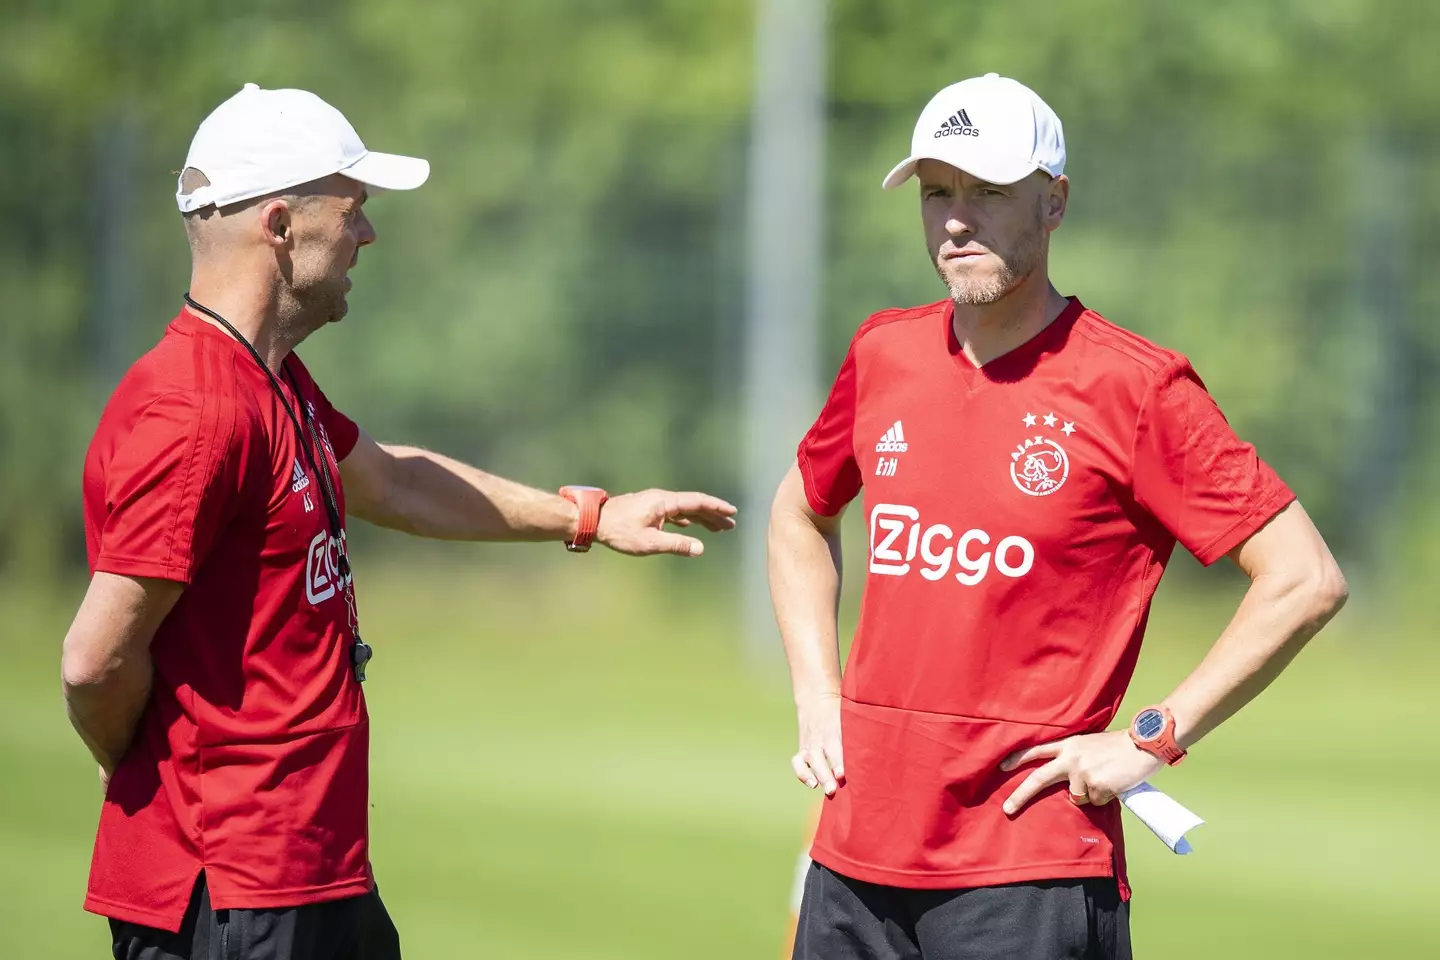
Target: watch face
1149, 724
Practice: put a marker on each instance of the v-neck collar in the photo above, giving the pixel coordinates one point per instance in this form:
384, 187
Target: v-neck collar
1015, 363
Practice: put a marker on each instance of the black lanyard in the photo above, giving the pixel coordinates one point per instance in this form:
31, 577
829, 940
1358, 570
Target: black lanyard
360, 651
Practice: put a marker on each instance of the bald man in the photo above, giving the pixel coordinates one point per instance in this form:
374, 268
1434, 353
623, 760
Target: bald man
214, 668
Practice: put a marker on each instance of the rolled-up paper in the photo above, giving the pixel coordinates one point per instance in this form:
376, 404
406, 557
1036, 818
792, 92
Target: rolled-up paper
1166, 818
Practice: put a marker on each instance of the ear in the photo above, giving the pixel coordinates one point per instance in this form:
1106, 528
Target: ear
1057, 198
276, 223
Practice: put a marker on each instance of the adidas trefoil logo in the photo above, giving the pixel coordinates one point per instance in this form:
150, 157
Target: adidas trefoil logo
958, 126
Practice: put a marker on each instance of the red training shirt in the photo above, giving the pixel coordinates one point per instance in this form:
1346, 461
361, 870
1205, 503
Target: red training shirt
1020, 516
250, 761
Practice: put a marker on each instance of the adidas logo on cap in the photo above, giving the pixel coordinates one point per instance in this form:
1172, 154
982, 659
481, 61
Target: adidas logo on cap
958, 126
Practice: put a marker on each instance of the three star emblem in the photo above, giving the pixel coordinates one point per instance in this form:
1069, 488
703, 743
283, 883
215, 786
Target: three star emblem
1050, 420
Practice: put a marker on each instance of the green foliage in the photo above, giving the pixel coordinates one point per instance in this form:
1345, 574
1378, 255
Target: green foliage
1250, 186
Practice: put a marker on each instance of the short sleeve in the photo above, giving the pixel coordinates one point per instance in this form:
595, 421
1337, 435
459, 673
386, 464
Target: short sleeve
827, 453
1192, 473
343, 432
171, 485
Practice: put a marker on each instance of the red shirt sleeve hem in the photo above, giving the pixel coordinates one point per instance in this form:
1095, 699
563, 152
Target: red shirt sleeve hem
135, 567
817, 503
1246, 526
344, 434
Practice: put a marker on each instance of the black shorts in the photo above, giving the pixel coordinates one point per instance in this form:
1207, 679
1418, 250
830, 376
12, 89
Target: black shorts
356, 928
845, 919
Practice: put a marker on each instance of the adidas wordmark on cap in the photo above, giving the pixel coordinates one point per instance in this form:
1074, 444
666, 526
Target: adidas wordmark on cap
260, 141
991, 127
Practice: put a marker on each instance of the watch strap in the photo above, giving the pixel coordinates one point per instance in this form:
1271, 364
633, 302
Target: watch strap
1164, 745
589, 500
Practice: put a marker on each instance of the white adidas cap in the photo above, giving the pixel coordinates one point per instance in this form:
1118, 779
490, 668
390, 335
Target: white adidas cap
991, 127
260, 141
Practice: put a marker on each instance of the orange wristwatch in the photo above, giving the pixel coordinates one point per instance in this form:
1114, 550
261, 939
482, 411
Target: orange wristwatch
589, 500
1153, 731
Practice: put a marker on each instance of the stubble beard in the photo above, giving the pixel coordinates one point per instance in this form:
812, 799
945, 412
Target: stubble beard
309, 308
1016, 265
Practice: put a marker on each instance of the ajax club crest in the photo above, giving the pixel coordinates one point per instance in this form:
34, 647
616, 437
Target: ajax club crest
1038, 464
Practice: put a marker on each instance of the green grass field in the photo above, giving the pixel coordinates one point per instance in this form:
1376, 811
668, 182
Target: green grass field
624, 792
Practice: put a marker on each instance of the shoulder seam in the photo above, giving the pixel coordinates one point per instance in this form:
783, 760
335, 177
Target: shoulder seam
882, 317
1152, 356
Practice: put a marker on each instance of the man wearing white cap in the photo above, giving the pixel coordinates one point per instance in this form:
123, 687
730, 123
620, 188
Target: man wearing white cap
1028, 468
214, 666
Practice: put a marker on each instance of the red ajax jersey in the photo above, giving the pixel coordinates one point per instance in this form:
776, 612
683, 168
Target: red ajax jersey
1020, 517
250, 761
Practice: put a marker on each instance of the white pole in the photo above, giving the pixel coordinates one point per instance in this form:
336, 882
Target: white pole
785, 230
114, 284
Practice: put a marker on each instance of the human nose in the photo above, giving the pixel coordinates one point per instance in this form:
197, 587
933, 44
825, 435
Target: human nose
958, 221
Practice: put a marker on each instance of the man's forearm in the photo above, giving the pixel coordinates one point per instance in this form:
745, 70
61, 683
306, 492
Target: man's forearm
106, 710
804, 562
804, 568
1274, 621
105, 664
435, 496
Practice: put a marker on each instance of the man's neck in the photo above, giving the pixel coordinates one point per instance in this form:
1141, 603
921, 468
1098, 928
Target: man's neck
987, 331
251, 312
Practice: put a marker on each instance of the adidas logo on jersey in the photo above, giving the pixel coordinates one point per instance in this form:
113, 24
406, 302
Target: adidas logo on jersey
958, 126
299, 481
893, 441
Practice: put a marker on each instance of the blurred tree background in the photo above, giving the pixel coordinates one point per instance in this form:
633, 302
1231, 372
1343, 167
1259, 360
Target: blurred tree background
1251, 186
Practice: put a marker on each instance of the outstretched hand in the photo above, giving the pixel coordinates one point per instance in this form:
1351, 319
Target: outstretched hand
634, 523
